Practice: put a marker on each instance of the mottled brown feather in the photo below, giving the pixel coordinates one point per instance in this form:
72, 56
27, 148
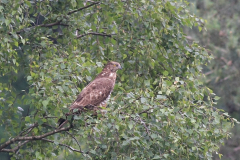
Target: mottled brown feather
97, 92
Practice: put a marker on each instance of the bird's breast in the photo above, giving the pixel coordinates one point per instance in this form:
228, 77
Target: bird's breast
103, 103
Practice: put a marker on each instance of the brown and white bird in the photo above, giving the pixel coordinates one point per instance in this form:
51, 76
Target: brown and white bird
98, 92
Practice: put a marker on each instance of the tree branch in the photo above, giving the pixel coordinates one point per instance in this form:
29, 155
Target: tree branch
146, 111
43, 25
53, 24
74, 139
138, 118
71, 12
30, 138
28, 129
59, 22
14, 149
95, 33
68, 134
44, 139
50, 24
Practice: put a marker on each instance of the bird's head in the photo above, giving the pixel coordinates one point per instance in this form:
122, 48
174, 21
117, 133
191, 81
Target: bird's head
113, 66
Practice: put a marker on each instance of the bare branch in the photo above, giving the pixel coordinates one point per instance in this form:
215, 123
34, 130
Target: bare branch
50, 117
52, 24
58, 22
42, 25
44, 139
14, 149
71, 12
138, 118
48, 140
146, 111
30, 128
95, 33
75, 140
49, 25
30, 138
68, 134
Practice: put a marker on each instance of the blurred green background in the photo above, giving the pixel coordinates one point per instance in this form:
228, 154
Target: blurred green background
222, 38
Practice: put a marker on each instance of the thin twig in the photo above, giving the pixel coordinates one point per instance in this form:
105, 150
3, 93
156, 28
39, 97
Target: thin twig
43, 25
76, 10
49, 25
140, 121
75, 140
50, 117
29, 131
32, 138
57, 22
145, 126
146, 111
67, 133
31, 127
48, 140
16, 148
95, 33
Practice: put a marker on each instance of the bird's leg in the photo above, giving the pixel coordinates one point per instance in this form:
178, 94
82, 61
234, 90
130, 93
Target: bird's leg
62, 121
71, 122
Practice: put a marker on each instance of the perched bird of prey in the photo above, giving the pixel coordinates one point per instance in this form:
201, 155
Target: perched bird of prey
97, 93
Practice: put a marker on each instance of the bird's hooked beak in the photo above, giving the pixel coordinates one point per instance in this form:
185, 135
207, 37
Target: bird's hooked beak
119, 67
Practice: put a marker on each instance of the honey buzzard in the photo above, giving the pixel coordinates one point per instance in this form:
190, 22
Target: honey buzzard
97, 93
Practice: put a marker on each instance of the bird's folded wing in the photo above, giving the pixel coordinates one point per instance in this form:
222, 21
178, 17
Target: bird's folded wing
94, 93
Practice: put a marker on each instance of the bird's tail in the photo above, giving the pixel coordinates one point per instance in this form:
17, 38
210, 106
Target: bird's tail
62, 122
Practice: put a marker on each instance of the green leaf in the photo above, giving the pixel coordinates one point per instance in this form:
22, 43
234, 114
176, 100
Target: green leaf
156, 157
56, 142
130, 125
29, 78
45, 103
216, 98
23, 41
27, 119
14, 61
143, 100
74, 3
165, 73
161, 97
147, 83
35, 130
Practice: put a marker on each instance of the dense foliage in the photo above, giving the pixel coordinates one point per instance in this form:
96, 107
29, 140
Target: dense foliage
222, 74
160, 109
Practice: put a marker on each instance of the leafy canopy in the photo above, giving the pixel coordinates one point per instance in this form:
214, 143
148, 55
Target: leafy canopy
159, 109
